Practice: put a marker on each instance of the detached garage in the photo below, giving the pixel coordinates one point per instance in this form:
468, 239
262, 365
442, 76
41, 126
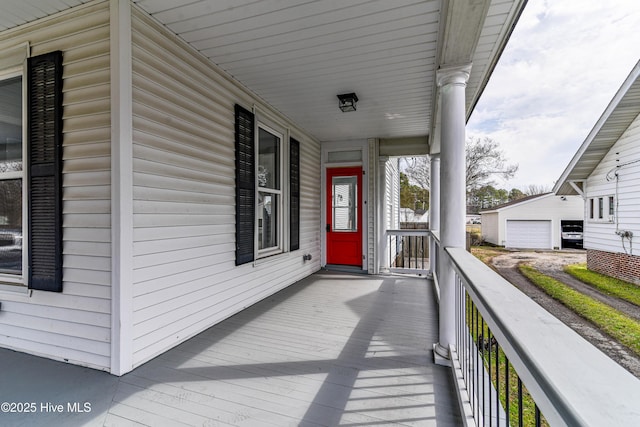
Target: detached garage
534, 222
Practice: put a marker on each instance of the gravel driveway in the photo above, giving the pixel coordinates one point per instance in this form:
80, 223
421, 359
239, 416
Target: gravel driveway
552, 263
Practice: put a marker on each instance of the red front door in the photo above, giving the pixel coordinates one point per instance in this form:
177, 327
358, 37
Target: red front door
344, 219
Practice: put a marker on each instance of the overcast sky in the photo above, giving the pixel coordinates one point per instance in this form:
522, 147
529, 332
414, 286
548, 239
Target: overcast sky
562, 66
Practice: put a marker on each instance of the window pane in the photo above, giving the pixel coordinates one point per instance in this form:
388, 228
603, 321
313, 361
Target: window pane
600, 208
267, 220
11, 125
268, 160
345, 203
344, 156
611, 206
11, 226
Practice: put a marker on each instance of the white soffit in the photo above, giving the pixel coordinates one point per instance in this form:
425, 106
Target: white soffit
299, 54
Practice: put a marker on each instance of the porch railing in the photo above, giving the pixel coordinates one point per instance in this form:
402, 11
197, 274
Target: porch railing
518, 365
408, 251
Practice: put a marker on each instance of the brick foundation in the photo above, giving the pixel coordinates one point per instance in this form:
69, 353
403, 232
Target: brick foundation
621, 266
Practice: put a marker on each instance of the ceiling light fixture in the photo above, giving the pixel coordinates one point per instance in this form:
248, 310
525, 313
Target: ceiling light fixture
347, 102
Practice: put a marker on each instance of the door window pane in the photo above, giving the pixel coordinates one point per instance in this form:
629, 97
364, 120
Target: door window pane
11, 226
345, 203
267, 220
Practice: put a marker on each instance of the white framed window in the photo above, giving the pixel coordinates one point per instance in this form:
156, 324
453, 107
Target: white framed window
602, 208
12, 177
269, 180
612, 208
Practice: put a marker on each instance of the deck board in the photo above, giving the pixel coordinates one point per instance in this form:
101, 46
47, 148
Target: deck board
333, 349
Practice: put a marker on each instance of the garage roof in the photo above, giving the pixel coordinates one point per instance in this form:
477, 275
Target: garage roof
515, 203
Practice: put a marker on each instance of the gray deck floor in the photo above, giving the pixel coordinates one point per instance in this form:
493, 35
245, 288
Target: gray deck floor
334, 349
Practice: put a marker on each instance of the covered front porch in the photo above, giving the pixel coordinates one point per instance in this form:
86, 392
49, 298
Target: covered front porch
155, 126
333, 349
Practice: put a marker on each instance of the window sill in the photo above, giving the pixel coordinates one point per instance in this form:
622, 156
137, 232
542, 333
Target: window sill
14, 289
269, 258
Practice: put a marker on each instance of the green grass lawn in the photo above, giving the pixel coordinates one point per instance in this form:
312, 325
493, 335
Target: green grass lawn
605, 284
619, 326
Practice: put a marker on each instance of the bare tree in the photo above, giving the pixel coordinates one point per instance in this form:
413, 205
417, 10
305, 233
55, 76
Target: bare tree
485, 160
534, 189
417, 170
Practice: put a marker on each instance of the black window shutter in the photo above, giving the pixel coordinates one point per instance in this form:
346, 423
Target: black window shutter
245, 185
294, 198
44, 158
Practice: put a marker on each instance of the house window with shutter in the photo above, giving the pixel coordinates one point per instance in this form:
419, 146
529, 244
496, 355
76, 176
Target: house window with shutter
30, 174
267, 204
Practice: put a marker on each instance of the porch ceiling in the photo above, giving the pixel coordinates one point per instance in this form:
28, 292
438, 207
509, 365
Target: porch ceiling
299, 54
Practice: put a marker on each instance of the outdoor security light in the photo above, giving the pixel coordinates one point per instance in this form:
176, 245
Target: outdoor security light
347, 102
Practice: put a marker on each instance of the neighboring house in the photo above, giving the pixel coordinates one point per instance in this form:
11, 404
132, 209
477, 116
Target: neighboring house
473, 219
605, 171
534, 222
165, 165
409, 215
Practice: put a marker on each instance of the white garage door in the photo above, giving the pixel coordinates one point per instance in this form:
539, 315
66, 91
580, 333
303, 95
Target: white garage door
529, 234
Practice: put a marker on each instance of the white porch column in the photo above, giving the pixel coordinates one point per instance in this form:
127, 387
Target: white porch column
452, 82
121, 189
383, 221
434, 209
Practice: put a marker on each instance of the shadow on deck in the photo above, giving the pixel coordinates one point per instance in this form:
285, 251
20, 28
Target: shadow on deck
333, 349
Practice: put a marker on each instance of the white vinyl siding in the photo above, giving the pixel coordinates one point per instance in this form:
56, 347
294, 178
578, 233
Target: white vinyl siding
490, 228
391, 204
185, 279
75, 324
392, 196
600, 234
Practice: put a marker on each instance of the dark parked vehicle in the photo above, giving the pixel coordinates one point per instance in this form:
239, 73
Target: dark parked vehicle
572, 235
